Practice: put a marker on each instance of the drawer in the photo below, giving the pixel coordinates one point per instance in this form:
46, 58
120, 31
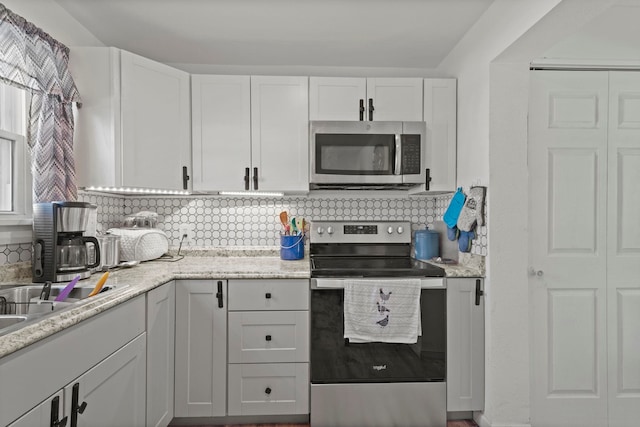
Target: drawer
268, 389
268, 336
269, 294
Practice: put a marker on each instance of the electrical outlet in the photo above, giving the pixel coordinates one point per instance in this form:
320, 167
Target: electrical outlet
189, 231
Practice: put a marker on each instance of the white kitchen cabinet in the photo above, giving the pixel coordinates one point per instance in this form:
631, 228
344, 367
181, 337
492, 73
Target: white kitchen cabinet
133, 129
49, 413
113, 392
201, 348
161, 316
351, 98
102, 341
250, 133
465, 344
268, 347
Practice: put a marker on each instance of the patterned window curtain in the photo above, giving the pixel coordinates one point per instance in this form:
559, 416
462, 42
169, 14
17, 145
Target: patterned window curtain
33, 60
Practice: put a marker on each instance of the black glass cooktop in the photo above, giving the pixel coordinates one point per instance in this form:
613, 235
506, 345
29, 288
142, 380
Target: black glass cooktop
372, 267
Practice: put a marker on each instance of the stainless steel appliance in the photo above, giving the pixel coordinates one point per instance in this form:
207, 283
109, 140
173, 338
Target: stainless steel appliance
373, 383
59, 245
368, 155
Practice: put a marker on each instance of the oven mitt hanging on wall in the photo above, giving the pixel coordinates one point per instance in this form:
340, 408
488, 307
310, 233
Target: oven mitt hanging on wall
465, 240
453, 211
473, 210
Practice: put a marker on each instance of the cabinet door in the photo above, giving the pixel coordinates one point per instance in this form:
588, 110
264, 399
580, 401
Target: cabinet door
45, 414
280, 133
155, 123
397, 99
161, 316
221, 131
201, 348
112, 393
440, 116
465, 345
337, 98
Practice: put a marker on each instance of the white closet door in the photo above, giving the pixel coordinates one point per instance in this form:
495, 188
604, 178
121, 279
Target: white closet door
623, 252
567, 158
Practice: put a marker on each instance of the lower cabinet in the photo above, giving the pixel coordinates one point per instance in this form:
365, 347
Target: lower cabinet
92, 374
201, 348
262, 325
465, 344
161, 317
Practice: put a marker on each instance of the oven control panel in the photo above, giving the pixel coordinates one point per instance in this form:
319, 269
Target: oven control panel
360, 232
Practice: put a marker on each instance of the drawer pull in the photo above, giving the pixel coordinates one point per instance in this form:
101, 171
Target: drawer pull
267, 295
268, 338
267, 390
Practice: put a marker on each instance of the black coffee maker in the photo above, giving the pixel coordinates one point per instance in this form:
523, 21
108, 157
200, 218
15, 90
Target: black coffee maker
59, 245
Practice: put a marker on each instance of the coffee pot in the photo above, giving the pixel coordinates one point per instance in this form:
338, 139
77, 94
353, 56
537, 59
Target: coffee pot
60, 246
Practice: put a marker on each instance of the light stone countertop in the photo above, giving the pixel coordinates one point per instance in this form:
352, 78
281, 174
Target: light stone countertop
205, 263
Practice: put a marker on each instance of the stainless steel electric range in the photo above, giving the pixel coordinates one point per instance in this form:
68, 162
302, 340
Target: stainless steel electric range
373, 383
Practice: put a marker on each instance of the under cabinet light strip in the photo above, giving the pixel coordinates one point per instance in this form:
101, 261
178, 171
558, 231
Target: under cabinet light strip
137, 190
251, 193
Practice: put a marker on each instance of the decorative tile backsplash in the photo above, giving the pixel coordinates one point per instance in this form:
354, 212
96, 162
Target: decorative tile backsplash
243, 221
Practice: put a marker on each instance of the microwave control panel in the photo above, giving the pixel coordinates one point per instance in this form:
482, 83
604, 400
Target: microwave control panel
411, 154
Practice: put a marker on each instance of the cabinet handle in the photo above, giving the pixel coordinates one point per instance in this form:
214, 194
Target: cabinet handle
55, 412
246, 178
75, 408
219, 295
267, 295
185, 178
371, 109
268, 338
255, 178
479, 292
267, 390
361, 109
427, 178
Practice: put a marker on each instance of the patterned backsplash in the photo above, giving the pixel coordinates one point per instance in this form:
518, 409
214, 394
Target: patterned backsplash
242, 221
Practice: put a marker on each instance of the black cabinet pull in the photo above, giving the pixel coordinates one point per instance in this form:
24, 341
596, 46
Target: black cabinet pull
75, 408
255, 178
185, 178
371, 109
267, 390
220, 295
361, 109
268, 338
55, 412
246, 178
427, 178
267, 295
479, 292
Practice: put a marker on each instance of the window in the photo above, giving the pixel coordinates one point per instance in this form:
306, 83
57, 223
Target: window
15, 175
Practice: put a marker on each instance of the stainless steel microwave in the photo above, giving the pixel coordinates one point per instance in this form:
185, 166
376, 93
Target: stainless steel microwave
367, 155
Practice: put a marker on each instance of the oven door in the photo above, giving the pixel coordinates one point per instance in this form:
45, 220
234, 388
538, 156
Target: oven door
334, 360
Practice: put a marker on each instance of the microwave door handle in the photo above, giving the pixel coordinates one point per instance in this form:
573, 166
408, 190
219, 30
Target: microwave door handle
397, 167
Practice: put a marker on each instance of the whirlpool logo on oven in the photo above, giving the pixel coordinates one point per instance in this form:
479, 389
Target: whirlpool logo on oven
379, 367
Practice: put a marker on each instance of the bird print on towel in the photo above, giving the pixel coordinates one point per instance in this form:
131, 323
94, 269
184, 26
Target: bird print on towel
384, 322
383, 296
382, 308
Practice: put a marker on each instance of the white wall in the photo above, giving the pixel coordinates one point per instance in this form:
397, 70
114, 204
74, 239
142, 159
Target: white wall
54, 20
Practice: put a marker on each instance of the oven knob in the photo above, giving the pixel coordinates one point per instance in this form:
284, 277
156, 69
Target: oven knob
400, 230
330, 230
390, 230
320, 230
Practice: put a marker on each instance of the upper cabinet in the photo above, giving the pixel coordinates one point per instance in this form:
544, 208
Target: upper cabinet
355, 98
440, 109
133, 129
250, 133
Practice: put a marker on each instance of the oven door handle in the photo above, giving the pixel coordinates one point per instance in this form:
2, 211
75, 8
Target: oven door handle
332, 283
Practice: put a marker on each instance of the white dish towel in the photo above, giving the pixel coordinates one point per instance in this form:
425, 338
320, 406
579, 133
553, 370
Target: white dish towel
382, 311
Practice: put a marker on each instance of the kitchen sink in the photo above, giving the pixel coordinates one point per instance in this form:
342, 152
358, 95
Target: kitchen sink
21, 303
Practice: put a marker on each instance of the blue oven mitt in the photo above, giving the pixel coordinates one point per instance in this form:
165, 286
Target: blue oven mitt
465, 240
453, 210
453, 233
